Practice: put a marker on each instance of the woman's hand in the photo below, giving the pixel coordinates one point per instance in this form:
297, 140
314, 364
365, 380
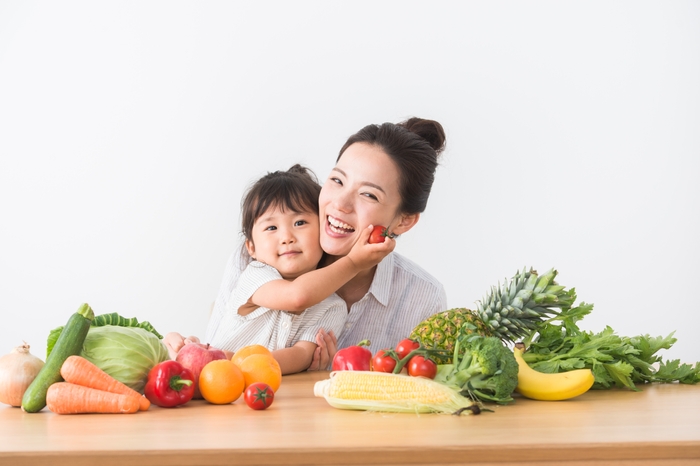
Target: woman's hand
174, 342
327, 347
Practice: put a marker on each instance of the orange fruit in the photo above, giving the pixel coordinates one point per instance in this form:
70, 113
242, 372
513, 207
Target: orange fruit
262, 368
221, 382
246, 351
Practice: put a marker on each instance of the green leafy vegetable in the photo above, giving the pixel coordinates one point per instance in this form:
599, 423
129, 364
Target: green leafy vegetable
123, 348
101, 320
616, 361
125, 353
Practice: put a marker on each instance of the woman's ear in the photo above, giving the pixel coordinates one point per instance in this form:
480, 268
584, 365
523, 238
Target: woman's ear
406, 222
250, 247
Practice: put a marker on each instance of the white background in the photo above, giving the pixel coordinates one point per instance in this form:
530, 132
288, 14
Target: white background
129, 130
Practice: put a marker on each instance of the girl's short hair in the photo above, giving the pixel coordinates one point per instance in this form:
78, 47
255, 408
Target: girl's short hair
296, 189
414, 145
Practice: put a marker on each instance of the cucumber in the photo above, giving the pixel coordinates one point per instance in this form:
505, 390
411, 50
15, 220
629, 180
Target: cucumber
68, 344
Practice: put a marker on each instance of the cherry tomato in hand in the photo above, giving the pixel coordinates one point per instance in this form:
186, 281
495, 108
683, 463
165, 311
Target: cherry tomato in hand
418, 366
378, 234
383, 363
405, 346
259, 395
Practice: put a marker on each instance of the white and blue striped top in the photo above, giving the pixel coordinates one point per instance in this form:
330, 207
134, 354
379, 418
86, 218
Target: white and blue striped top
402, 294
274, 329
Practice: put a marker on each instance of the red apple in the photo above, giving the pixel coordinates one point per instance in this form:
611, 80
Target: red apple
194, 356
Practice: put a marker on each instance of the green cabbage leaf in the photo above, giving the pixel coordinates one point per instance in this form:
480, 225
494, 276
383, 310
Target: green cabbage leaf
125, 353
123, 348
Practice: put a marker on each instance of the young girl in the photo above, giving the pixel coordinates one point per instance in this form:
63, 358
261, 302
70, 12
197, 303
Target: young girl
281, 229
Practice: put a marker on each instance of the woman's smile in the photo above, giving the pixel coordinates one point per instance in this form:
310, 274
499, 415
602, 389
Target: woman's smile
338, 226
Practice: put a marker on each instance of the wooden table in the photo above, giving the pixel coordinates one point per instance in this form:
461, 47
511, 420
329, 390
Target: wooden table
657, 426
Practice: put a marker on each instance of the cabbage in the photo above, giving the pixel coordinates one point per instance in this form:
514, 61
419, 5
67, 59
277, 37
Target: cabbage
123, 348
125, 353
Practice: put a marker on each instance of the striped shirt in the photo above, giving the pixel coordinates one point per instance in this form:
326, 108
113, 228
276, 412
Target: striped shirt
271, 328
401, 295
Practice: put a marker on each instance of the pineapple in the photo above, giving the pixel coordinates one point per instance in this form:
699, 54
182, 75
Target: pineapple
509, 312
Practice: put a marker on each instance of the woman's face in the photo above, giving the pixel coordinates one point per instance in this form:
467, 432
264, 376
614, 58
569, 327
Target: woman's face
362, 189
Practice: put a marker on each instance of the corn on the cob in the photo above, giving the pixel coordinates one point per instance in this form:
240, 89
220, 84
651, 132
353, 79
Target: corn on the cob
381, 391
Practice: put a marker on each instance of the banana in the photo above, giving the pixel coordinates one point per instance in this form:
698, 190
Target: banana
550, 387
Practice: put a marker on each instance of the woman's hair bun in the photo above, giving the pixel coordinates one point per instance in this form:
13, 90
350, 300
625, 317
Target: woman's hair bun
430, 130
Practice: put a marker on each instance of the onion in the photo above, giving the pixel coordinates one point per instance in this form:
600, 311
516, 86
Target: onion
17, 370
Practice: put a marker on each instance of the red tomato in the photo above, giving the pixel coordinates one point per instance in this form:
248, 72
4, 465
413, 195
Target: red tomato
259, 395
378, 234
406, 346
419, 366
383, 363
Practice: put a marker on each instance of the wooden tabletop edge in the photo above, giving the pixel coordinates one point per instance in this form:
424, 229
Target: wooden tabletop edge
446, 454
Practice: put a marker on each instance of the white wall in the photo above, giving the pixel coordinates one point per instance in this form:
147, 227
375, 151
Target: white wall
129, 130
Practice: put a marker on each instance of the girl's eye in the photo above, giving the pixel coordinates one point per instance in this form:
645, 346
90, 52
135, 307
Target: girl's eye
271, 228
299, 223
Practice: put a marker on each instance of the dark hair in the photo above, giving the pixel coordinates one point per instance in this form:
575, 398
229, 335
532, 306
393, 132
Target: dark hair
414, 145
296, 189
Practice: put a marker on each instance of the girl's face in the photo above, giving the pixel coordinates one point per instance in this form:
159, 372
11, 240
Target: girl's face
287, 241
362, 189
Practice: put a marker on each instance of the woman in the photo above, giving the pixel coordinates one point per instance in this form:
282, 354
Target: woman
383, 176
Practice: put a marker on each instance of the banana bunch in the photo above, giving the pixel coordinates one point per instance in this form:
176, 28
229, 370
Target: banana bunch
550, 387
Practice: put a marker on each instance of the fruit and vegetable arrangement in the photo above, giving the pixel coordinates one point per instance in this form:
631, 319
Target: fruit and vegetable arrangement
111, 364
522, 337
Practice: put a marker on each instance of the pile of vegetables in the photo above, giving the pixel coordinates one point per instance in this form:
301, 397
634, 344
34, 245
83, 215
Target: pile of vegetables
104, 363
482, 368
93, 364
123, 348
561, 361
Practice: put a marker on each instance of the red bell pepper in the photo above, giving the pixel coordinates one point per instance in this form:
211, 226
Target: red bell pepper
353, 358
169, 384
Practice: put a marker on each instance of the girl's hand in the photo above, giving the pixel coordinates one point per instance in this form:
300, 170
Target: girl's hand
365, 254
327, 347
174, 342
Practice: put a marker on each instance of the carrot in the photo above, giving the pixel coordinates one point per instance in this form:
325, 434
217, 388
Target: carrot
70, 398
80, 371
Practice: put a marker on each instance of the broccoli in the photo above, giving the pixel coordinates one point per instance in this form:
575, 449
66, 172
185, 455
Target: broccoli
487, 369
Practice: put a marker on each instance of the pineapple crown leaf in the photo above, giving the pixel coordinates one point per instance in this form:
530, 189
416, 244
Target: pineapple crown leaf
516, 307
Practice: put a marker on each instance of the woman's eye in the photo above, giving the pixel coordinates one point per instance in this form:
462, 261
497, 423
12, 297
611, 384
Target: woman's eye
337, 181
371, 196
